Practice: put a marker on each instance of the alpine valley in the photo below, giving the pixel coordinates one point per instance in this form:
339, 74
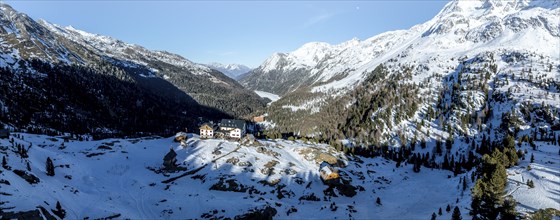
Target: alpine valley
68, 80
454, 118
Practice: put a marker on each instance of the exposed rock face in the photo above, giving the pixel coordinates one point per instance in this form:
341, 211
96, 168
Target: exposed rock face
263, 213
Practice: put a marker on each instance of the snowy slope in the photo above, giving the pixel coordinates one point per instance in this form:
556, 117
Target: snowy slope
121, 176
544, 172
116, 179
234, 71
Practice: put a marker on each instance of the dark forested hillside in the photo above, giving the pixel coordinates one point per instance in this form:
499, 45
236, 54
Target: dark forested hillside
93, 99
65, 79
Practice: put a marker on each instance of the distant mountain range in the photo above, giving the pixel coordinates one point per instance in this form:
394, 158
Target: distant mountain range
167, 84
234, 71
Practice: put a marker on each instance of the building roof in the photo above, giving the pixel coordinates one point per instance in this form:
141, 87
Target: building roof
233, 123
209, 125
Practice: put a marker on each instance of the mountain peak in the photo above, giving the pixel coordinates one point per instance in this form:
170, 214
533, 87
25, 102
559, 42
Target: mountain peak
231, 70
501, 8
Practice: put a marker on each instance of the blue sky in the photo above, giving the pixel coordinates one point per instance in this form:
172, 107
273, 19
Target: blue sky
245, 32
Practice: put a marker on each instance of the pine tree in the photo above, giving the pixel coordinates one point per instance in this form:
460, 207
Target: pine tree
438, 147
61, 213
456, 215
4, 162
378, 201
449, 143
440, 212
445, 164
489, 190
50, 167
508, 144
434, 216
448, 208
530, 183
508, 208
465, 186
457, 169
532, 158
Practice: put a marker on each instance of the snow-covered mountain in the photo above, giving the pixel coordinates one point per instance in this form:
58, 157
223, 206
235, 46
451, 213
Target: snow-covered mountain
234, 71
180, 87
407, 114
464, 37
462, 28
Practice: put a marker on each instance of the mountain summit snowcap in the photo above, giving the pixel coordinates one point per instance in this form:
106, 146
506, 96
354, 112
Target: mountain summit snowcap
462, 27
233, 70
477, 8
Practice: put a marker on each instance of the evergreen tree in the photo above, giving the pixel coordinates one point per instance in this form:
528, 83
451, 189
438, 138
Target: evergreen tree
449, 143
445, 164
489, 189
438, 147
508, 208
417, 165
508, 144
440, 212
61, 213
50, 167
4, 162
378, 201
448, 208
530, 183
456, 215
542, 214
532, 158
457, 169
465, 186
434, 216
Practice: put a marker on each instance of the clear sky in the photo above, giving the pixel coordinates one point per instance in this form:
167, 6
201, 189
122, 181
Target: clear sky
245, 32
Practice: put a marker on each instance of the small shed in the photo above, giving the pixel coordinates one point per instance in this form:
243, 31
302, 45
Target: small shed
4, 133
181, 136
259, 118
327, 172
170, 160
